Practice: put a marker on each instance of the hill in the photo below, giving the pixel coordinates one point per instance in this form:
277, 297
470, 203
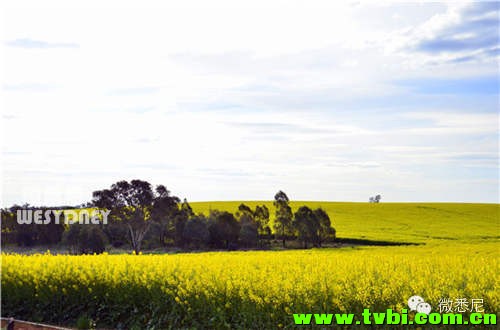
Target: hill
401, 222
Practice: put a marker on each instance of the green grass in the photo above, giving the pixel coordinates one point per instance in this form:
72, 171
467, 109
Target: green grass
400, 222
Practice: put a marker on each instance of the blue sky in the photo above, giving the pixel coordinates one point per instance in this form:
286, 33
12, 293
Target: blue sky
225, 101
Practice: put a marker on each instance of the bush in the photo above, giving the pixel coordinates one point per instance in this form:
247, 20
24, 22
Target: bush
249, 235
84, 323
196, 232
85, 239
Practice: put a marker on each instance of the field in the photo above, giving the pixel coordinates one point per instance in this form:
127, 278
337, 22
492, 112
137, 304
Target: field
459, 258
402, 222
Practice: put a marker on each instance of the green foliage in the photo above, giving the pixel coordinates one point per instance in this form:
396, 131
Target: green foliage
85, 323
307, 225
85, 239
30, 234
135, 205
224, 229
283, 220
261, 215
196, 232
326, 231
249, 234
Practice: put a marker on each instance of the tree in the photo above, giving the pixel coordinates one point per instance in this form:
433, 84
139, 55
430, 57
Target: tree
261, 216
85, 239
52, 232
7, 227
196, 231
13, 232
29, 234
326, 232
186, 208
244, 209
223, 228
132, 204
116, 232
249, 234
180, 220
307, 225
283, 221
93, 240
165, 208
71, 238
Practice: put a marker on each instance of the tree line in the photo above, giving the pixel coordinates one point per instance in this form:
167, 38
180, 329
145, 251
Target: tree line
144, 217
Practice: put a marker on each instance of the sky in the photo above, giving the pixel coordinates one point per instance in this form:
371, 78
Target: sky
226, 100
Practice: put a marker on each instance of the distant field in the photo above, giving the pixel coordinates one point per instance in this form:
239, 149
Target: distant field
402, 222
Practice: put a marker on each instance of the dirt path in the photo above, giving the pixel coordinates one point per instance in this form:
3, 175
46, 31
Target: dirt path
24, 325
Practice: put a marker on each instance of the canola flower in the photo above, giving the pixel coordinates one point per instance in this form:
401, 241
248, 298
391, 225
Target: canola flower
250, 290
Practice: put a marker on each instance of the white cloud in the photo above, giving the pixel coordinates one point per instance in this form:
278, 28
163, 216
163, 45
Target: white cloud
226, 101
465, 32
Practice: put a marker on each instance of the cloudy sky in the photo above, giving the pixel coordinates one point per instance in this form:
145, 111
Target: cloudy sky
226, 101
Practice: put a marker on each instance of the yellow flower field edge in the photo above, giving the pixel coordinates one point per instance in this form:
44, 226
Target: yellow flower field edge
241, 290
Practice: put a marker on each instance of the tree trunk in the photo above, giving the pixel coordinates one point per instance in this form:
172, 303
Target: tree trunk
136, 237
283, 233
132, 238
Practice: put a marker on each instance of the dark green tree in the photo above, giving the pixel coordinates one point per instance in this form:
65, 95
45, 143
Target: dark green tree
165, 210
180, 220
307, 225
13, 232
196, 231
131, 203
283, 220
92, 240
85, 239
326, 231
187, 209
224, 229
244, 209
52, 232
261, 216
29, 233
249, 234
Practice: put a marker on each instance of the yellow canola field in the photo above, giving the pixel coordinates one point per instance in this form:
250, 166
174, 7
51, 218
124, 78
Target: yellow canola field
259, 289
